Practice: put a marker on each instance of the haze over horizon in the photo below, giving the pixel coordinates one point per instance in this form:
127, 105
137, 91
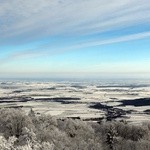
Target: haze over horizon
68, 38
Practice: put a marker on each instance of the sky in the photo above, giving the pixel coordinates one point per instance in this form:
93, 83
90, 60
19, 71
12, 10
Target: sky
74, 38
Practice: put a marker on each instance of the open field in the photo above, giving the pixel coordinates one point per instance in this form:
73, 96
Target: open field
86, 100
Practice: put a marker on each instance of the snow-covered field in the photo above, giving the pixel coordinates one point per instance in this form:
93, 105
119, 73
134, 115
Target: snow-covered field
79, 99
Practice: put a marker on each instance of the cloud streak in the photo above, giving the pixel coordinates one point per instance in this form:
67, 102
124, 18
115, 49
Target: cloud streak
32, 31
29, 20
45, 50
117, 40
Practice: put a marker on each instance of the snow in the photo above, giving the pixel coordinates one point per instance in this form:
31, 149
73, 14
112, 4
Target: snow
88, 94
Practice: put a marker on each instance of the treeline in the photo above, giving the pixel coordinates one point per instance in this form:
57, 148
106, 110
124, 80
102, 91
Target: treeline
19, 131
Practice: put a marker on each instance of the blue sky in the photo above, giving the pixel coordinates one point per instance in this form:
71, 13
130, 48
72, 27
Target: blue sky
75, 38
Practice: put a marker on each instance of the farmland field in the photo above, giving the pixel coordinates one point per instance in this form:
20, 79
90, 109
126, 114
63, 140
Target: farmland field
87, 100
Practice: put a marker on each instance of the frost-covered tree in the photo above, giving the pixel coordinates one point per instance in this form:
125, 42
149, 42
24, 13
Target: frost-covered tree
12, 121
7, 144
111, 137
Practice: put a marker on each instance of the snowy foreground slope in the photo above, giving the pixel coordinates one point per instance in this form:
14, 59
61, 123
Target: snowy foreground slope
86, 100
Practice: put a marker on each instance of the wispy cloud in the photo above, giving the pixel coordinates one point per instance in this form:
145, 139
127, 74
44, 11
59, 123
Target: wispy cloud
45, 50
116, 40
31, 29
26, 19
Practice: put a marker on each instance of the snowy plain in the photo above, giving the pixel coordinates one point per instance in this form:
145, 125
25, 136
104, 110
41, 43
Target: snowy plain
79, 98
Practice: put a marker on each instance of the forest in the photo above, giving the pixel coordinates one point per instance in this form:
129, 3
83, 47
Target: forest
22, 131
